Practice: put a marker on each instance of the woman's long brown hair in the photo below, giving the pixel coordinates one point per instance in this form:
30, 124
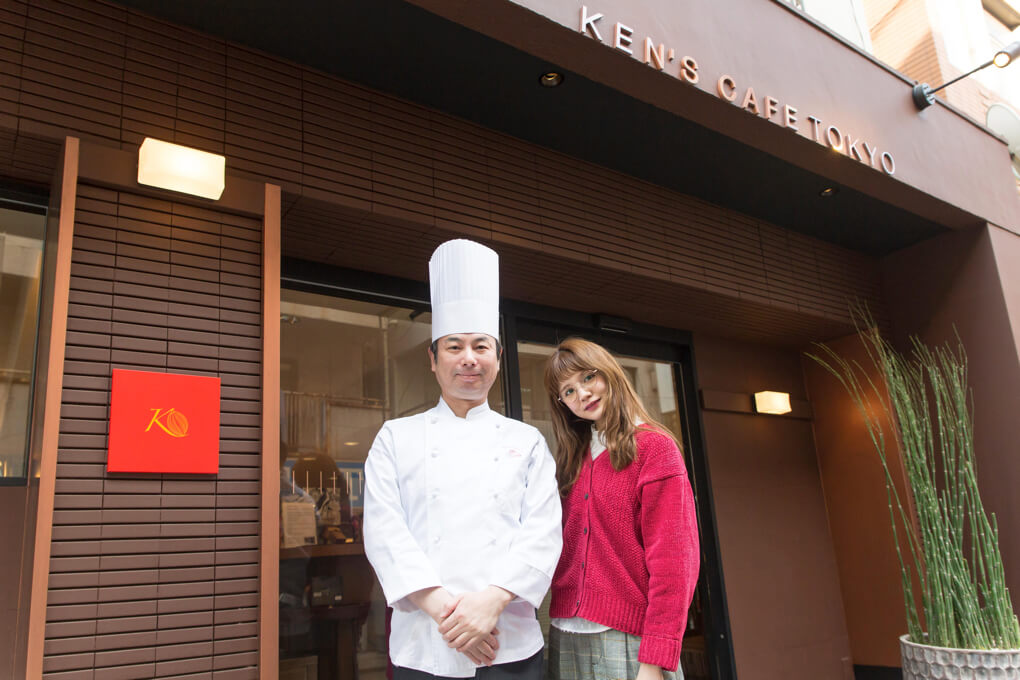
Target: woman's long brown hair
623, 408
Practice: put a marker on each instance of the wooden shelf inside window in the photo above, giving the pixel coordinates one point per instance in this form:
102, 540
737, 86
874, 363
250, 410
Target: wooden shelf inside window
327, 550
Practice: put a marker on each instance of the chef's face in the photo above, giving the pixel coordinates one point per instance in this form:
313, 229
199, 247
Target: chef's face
465, 365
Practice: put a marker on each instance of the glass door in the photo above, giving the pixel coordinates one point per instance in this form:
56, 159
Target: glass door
658, 370
22, 232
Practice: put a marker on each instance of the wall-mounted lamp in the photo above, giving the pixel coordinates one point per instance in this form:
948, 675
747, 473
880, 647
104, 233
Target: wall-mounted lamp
775, 403
924, 96
181, 168
781, 403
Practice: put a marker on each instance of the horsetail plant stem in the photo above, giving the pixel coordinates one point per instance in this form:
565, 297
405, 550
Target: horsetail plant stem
921, 402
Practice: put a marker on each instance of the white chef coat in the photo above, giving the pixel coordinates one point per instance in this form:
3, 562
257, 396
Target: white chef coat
462, 503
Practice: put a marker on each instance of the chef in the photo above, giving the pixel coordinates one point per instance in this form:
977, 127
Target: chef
462, 512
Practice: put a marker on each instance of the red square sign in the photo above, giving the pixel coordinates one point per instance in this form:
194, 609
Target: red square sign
164, 422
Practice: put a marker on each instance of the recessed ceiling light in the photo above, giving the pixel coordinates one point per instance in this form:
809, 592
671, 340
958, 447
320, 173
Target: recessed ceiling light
350, 443
828, 191
551, 79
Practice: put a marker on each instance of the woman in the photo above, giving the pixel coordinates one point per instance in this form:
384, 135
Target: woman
630, 540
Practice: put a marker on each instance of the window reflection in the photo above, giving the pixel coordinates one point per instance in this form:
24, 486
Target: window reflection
346, 367
21, 250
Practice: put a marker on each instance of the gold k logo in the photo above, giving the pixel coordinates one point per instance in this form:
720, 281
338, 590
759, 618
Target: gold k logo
170, 421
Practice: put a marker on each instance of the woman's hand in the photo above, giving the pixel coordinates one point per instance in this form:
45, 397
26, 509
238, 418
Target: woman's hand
649, 672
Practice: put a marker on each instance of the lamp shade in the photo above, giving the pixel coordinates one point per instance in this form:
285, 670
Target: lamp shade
1007, 54
775, 403
181, 168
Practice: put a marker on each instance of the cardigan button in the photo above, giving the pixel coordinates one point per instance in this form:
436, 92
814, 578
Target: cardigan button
585, 496
585, 531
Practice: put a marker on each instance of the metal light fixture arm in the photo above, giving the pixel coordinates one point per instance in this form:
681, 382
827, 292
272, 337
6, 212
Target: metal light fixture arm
924, 95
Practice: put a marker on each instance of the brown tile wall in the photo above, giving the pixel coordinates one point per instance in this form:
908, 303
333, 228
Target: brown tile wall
157, 575
17, 504
369, 178
780, 569
966, 288
901, 36
856, 501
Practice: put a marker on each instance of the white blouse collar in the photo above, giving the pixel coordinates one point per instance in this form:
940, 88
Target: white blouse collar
598, 442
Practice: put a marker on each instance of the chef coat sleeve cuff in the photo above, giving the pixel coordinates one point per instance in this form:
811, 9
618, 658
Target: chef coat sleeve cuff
524, 581
398, 588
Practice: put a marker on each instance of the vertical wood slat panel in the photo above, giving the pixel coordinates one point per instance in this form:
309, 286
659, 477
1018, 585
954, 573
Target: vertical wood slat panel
269, 551
157, 575
63, 211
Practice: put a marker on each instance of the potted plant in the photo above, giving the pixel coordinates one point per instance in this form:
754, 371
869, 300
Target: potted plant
960, 620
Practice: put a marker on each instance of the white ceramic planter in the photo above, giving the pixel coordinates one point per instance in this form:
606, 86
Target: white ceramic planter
925, 662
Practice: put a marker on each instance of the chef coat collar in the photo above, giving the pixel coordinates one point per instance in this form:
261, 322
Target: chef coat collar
472, 414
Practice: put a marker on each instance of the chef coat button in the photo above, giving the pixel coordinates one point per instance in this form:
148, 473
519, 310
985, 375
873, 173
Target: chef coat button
435, 453
433, 420
496, 496
496, 458
435, 540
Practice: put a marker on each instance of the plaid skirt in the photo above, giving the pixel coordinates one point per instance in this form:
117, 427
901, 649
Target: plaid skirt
609, 655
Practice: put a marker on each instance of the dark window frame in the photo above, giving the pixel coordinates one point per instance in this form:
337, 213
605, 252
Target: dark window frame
549, 325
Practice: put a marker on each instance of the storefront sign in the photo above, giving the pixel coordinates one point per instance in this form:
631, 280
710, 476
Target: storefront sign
164, 422
666, 59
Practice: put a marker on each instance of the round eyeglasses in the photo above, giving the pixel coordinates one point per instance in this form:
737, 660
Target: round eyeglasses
569, 393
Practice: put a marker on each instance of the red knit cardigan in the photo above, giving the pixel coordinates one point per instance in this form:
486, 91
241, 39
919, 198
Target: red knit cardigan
630, 548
